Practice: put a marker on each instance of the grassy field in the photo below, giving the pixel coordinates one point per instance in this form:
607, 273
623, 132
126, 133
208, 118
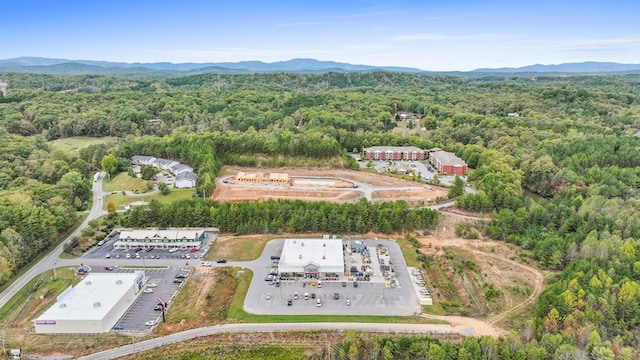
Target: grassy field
122, 200
72, 145
123, 181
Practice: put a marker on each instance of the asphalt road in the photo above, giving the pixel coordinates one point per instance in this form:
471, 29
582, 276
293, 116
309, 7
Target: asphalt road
275, 327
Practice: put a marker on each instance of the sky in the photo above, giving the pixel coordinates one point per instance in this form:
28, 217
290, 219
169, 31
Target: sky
429, 35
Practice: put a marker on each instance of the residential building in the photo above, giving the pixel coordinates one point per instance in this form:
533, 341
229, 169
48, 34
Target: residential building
447, 163
393, 153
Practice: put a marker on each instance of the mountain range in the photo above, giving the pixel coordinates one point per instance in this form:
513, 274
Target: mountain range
163, 69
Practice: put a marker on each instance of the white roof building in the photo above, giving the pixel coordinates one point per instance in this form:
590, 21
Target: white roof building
167, 238
312, 256
94, 305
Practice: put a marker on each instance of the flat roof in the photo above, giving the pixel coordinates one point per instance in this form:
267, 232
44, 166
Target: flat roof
447, 158
171, 233
296, 253
393, 148
92, 298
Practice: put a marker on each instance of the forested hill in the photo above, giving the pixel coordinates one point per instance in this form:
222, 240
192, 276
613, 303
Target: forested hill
571, 144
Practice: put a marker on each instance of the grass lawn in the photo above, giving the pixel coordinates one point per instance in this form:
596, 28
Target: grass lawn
123, 181
71, 145
122, 200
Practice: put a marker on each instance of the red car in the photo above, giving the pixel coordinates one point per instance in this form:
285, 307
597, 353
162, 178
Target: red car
194, 250
108, 268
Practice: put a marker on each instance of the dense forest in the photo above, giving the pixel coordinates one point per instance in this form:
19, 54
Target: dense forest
560, 180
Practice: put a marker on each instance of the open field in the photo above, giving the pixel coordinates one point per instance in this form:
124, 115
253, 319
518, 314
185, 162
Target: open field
124, 182
121, 200
72, 145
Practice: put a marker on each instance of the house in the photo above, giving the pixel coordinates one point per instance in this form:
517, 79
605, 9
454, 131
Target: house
393, 153
185, 177
186, 180
447, 163
143, 160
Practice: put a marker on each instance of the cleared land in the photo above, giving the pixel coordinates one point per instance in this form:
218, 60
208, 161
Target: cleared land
371, 186
74, 144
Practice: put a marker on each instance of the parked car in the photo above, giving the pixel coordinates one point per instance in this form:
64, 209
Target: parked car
108, 256
348, 302
221, 261
187, 256
158, 308
108, 268
177, 281
182, 276
319, 284
117, 256
150, 323
313, 295
152, 285
289, 302
269, 277
101, 242
205, 263
275, 257
355, 284
336, 296
344, 284
137, 256
267, 297
278, 283
194, 250
306, 296
295, 296
148, 291
318, 302
128, 256
172, 250
118, 327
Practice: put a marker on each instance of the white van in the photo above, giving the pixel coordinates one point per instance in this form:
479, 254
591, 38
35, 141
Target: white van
306, 296
318, 303
319, 284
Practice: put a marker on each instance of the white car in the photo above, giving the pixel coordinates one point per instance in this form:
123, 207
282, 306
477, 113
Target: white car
267, 297
128, 256
152, 285
150, 323
187, 256
206, 263
148, 290
172, 250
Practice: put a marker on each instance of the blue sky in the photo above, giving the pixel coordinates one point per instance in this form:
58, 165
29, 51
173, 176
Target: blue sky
430, 35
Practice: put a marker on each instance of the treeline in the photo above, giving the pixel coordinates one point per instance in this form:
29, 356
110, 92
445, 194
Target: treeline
39, 195
276, 216
356, 346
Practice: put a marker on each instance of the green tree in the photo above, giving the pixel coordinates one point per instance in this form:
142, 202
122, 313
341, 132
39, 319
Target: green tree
457, 189
109, 164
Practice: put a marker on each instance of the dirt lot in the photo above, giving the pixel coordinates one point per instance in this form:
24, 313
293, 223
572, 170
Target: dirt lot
374, 187
483, 278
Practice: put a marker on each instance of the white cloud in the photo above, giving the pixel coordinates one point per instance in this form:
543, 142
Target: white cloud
440, 37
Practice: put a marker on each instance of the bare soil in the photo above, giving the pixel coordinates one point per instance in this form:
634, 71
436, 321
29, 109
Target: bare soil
381, 187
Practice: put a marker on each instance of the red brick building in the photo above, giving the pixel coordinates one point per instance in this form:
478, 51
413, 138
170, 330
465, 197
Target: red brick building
393, 153
447, 163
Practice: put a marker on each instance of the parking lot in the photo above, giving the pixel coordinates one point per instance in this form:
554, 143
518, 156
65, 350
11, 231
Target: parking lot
161, 280
106, 251
421, 168
374, 297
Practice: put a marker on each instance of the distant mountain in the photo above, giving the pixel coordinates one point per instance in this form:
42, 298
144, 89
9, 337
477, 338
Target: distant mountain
583, 67
65, 66
165, 69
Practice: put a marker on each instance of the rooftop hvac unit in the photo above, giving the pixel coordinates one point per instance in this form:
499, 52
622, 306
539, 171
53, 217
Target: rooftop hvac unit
302, 243
63, 305
118, 282
300, 256
88, 282
96, 304
324, 245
